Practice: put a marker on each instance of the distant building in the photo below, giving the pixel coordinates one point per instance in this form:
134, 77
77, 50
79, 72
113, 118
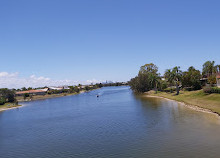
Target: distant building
66, 87
58, 88
33, 92
218, 80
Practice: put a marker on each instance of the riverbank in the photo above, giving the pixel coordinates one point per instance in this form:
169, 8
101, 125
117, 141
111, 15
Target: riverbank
37, 97
8, 106
197, 100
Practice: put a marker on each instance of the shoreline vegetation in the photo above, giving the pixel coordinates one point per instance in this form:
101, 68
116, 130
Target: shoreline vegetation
197, 100
10, 100
195, 89
8, 106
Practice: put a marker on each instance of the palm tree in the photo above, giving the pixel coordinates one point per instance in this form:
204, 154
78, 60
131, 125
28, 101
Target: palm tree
174, 76
154, 81
209, 68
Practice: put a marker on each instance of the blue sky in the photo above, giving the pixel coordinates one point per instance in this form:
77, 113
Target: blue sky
105, 39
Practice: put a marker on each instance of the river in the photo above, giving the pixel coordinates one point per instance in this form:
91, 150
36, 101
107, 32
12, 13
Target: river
117, 124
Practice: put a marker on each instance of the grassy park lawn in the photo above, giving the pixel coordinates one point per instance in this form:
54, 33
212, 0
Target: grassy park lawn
197, 98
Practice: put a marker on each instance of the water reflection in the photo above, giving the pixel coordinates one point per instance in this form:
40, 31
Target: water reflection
117, 124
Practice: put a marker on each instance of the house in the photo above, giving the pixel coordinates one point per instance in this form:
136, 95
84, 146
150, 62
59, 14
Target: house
59, 88
56, 88
218, 80
33, 92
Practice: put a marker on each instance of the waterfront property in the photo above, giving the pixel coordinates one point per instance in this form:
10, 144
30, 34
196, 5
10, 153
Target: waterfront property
33, 92
59, 88
118, 124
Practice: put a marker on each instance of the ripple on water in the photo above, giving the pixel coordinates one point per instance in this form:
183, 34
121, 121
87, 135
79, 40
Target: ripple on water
117, 124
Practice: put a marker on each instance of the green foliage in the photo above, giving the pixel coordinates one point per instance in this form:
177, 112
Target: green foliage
87, 88
191, 79
2, 100
147, 79
23, 89
140, 83
174, 76
169, 89
212, 79
9, 95
163, 85
26, 95
209, 68
215, 90
148, 68
211, 90
76, 89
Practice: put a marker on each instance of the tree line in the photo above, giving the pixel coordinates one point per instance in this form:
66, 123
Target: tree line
148, 78
7, 95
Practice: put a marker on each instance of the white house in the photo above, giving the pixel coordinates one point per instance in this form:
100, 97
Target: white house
56, 88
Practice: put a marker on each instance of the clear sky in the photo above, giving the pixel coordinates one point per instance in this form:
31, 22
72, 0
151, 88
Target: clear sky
80, 40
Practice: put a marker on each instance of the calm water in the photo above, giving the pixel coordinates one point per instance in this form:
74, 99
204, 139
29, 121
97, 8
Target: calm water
117, 124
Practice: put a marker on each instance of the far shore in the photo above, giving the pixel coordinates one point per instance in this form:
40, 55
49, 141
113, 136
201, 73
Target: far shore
197, 100
47, 96
9, 106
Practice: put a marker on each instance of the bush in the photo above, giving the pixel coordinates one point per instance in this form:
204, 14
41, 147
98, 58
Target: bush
215, 90
211, 90
207, 90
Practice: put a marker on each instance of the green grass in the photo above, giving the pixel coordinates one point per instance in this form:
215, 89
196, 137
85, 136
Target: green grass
197, 98
8, 105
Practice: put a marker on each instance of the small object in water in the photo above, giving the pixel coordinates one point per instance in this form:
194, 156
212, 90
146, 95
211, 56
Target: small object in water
97, 96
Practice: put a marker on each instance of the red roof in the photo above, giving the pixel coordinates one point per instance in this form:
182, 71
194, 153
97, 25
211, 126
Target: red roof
218, 75
30, 91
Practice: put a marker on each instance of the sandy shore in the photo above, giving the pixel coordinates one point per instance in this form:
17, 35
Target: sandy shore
194, 107
9, 108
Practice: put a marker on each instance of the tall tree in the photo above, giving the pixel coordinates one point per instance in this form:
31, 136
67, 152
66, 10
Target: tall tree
191, 78
9, 95
174, 76
146, 80
209, 68
149, 68
154, 80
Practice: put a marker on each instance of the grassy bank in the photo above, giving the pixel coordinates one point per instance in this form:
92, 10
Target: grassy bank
7, 106
196, 98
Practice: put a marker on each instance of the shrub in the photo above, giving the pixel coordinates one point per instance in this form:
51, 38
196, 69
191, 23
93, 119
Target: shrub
207, 90
215, 90
211, 90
